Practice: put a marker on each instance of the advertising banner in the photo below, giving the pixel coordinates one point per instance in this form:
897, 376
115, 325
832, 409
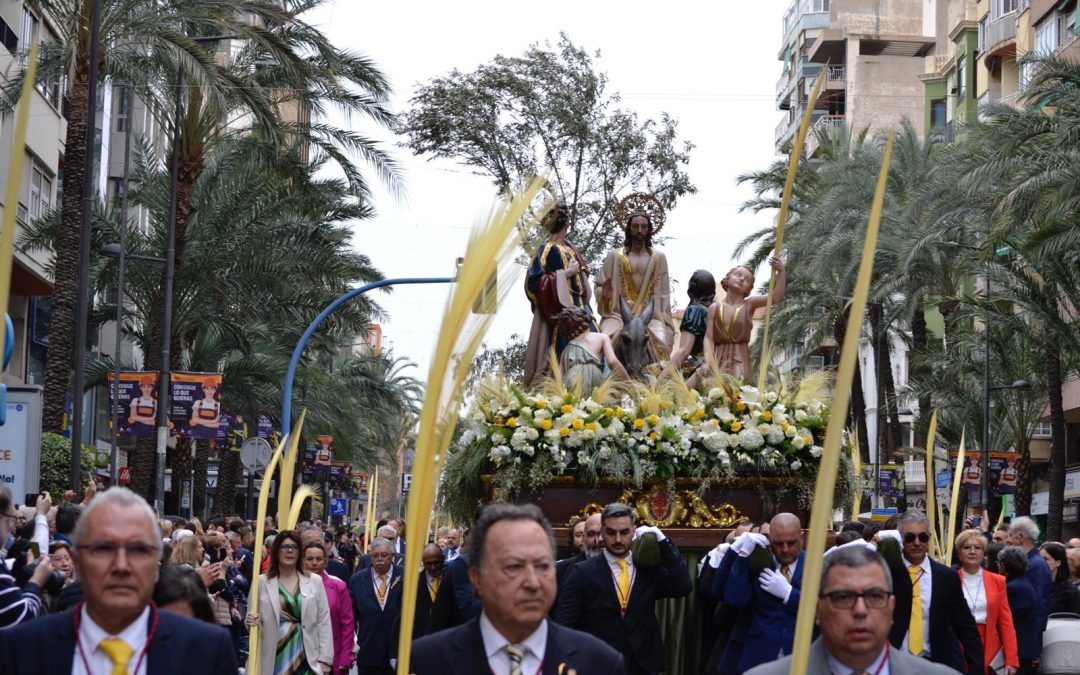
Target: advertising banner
891, 480
196, 405
135, 401
971, 473
1003, 472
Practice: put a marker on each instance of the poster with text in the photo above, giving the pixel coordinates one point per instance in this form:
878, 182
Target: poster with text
136, 403
196, 405
971, 475
1003, 472
891, 480
324, 453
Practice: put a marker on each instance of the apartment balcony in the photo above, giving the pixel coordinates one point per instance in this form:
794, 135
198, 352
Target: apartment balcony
803, 71
785, 129
1001, 35
823, 124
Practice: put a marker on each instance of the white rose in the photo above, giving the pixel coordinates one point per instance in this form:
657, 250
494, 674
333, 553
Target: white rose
800, 415
796, 465
749, 395
751, 439
815, 451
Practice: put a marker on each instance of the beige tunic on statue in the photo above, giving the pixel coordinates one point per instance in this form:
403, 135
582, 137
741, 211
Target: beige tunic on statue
655, 286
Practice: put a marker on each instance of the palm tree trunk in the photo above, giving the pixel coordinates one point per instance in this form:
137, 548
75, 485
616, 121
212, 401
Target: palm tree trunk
1057, 439
66, 269
1022, 503
199, 472
181, 465
229, 473
918, 350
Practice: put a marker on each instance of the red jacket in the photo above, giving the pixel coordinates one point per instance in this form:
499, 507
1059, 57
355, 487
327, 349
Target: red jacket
999, 630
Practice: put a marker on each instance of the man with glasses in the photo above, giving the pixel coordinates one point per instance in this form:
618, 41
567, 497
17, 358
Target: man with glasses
854, 614
116, 628
376, 596
931, 618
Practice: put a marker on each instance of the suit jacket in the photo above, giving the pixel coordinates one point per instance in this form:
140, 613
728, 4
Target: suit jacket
342, 622
772, 624
900, 663
46, 646
954, 639
562, 571
433, 615
1025, 608
460, 651
338, 569
1000, 633
375, 634
731, 623
468, 605
590, 602
317, 630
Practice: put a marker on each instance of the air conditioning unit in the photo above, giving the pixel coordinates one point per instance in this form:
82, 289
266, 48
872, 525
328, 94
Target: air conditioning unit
915, 471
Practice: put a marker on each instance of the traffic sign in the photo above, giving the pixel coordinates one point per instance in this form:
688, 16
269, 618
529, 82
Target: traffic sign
125, 475
338, 506
255, 454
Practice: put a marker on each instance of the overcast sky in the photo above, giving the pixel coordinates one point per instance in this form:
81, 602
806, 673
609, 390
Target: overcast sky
712, 66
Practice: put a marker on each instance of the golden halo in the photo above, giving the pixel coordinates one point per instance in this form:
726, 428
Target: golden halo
641, 202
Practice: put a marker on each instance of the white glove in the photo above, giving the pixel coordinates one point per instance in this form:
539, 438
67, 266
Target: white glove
660, 536
717, 555
744, 544
759, 539
857, 542
774, 583
890, 534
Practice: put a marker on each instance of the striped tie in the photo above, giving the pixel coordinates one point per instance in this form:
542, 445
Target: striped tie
516, 653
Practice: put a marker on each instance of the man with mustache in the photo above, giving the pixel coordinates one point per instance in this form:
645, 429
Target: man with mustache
613, 597
854, 615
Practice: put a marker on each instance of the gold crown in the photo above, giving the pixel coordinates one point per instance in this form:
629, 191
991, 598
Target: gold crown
641, 204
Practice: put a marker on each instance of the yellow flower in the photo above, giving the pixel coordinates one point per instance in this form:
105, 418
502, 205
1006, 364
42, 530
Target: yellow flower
785, 427
699, 413
715, 422
578, 425
653, 435
653, 419
567, 409
545, 424
741, 407
736, 426
541, 403
564, 432
512, 422
767, 416
639, 423
809, 440
607, 411
619, 412
591, 426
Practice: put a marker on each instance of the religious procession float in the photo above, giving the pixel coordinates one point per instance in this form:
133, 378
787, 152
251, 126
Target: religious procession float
619, 405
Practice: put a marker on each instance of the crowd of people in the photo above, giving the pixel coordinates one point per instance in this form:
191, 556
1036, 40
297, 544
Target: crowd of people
106, 587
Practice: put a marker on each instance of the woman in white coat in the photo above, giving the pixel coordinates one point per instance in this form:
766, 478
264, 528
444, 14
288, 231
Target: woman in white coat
295, 636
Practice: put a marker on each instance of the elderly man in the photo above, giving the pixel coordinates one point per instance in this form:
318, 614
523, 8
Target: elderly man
512, 554
931, 617
453, 544
614, 598
390, 534
342, 624
376, 596
1023, 532
116, 629
854, 615
771, 595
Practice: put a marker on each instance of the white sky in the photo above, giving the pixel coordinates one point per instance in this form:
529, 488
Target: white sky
711, 65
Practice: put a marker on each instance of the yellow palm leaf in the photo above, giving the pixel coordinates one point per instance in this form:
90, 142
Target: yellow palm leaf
298, 499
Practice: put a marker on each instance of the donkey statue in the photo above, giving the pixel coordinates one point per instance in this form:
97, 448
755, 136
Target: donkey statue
632, 346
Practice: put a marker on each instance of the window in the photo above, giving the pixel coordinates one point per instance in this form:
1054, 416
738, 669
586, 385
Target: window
122, 111
8, 37
998, 8
1042, 430
961, 78
939, 110
983, 22
31, 27
41, 186
1046, 37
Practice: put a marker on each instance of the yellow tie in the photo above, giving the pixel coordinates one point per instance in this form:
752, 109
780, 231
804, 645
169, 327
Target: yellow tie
381, 590
915, 626
786, 571
434, 588
624, 584
119, 652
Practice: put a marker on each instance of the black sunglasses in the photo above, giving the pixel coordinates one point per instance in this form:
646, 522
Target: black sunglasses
911, 536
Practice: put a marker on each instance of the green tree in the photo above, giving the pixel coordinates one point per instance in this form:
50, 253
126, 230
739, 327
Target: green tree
548, 111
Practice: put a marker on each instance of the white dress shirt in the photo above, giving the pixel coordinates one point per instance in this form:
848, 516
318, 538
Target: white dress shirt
452, 554
791, 568
875, 668
924, 586
90, 637
495, 648
613, 565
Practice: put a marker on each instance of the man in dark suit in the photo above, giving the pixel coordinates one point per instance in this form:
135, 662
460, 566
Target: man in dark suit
115, 626
613, 598
468, 604
376, 596
435, 606
513, 572
771, 594
590, 546
388, 533
931, 618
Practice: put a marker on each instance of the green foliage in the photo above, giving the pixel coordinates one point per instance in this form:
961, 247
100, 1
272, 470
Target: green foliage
548, 112
56, 465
